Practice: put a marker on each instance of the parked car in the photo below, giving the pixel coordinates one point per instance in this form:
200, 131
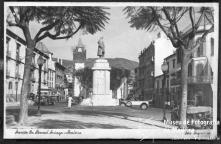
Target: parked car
46, 100
130, 103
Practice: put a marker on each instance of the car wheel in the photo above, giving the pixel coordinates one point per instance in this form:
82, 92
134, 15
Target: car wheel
143, 106
123, 104
129, 104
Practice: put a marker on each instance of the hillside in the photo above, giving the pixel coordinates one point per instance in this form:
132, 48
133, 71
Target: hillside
114, 62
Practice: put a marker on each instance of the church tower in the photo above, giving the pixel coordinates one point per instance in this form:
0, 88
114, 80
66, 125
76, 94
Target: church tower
79, 58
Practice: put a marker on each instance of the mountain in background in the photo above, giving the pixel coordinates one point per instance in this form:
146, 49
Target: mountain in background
121, 63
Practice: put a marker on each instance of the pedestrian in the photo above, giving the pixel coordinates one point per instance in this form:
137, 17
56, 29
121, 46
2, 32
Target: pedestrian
69, 101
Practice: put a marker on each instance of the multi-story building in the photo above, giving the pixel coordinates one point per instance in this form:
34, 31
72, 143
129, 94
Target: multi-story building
150, 61
200, 72
51, 75
59, 79
172, 84
146, 73
15, 60
79, 58
173, 80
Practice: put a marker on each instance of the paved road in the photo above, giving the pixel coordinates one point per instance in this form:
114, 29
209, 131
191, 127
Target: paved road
58, 116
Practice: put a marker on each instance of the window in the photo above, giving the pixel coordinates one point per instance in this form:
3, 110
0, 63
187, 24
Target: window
16, 86
17, 70
199, 70
17, 50
10, 85
174, 60
190, 69
168, 66
7, 42
201, 49
212, 46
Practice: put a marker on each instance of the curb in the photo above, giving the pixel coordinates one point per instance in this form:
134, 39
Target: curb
149, 122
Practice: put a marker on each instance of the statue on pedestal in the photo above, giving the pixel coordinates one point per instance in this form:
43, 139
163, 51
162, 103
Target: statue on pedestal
101, 48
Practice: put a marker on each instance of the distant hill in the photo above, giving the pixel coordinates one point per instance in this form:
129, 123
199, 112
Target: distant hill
114, 62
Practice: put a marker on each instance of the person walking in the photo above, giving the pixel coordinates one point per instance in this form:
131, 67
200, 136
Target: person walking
69, 101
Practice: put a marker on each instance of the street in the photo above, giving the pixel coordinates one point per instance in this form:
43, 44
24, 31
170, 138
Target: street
80, 117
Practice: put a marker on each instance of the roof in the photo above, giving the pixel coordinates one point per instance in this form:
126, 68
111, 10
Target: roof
42, 47
203, 21
22, 41
58, 65
170, 56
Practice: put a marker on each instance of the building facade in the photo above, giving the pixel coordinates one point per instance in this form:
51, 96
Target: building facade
122, 91
146, 73
150, 61
15, 60
59, 79
200, 74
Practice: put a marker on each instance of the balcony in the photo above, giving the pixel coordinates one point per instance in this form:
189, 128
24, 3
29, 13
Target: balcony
200, 79
8, 54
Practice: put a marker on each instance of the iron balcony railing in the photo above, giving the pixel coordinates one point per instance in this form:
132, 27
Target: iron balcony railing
200, 79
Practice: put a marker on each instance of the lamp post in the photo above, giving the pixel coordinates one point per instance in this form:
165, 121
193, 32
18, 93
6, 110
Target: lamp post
40, 62
164, 68
16, 91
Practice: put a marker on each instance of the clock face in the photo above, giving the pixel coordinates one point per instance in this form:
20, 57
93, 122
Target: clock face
79, 66
79, 49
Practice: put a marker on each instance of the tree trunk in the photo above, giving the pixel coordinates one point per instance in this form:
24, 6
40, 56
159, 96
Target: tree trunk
73, 77
184, 84
26, 78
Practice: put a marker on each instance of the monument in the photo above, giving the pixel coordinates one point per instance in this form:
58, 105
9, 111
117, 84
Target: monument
102, 95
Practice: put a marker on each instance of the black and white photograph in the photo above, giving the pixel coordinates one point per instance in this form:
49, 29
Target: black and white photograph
114, 70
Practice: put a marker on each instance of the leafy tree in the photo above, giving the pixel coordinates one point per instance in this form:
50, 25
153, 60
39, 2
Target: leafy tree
85, 76
116, 75
57, 23
167, 19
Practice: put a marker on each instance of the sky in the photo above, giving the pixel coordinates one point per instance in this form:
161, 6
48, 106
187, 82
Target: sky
121, 41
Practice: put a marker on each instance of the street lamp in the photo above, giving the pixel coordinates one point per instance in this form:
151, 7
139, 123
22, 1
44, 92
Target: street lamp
16, 90
164, 68
40, 62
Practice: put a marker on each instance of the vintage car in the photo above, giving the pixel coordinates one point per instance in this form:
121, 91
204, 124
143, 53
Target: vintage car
131, 103
46, 100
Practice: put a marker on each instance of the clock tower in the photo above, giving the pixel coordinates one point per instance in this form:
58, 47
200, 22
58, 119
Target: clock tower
79, 58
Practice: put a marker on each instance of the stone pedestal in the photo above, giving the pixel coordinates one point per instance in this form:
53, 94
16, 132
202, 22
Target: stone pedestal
102, 95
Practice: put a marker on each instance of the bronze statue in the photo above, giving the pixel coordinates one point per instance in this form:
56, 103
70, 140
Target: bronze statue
101, 50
